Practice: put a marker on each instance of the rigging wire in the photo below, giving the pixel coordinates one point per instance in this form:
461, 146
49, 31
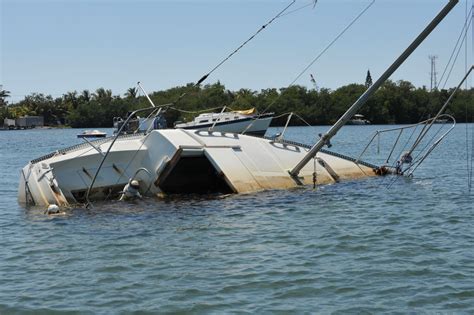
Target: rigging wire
414, 165
440, 112
416, 158
470, 169
425, 150
325, 50
465, 43
459, 42
422, 155
312, 2
424, 132
455, 59
204, 77
317, 58
400, 152
469, 153
332, 42
195, 112
463, 39
244, 43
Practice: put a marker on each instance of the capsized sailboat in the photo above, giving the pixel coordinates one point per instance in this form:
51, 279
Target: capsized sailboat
175, 161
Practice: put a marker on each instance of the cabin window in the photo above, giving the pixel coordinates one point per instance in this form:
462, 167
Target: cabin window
203, 121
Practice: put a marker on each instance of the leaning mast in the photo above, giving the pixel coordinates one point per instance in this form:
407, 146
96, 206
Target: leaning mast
371, 90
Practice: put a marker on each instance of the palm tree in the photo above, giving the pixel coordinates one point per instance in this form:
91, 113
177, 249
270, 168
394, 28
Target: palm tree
102, 93
131, 93
245, 93
71, 98
244, 98
3, 95
85, 96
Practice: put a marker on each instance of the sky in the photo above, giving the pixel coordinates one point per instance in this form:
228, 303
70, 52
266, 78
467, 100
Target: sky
56, 46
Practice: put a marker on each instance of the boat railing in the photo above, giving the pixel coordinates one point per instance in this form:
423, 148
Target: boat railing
154, 111
217, 119
406, 140
336, 154
80, 146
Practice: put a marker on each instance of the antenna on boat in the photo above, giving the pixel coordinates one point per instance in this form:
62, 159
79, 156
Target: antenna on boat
371, 90
146, 94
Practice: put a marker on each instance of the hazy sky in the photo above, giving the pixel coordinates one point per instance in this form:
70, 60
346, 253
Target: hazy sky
58, 46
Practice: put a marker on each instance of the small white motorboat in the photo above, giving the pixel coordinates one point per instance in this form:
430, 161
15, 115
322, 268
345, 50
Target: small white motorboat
92, 134
358, 119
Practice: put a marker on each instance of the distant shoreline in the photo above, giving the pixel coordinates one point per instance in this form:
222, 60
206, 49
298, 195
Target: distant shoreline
394, 103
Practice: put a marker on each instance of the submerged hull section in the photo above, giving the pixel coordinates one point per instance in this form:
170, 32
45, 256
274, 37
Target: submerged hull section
177, 162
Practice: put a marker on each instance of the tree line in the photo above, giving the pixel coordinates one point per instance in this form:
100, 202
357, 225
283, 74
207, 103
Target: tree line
394, 103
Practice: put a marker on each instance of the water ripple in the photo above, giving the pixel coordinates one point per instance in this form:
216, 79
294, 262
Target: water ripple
354, 247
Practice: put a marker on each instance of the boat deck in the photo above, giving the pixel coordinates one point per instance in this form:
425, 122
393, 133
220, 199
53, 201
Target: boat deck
99, 142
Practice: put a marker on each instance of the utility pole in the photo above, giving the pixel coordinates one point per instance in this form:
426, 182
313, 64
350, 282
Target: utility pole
433, 73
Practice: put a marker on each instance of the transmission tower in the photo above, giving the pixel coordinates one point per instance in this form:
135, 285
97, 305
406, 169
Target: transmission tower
434, 81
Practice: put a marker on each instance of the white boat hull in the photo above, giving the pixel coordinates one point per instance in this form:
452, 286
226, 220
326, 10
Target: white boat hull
358, 122
251, 126
177, 161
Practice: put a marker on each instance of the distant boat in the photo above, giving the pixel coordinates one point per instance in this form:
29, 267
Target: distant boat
247, 121
92, 134
358, 119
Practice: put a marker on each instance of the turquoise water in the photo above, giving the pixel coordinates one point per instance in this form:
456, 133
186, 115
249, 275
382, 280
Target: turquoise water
352, 247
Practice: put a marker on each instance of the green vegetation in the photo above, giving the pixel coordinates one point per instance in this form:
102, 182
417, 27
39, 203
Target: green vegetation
394, 103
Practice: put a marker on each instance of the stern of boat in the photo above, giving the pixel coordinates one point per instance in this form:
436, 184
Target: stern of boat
38, 186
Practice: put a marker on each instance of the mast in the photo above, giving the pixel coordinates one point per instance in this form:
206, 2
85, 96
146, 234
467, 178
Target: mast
371, 90
146, 94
